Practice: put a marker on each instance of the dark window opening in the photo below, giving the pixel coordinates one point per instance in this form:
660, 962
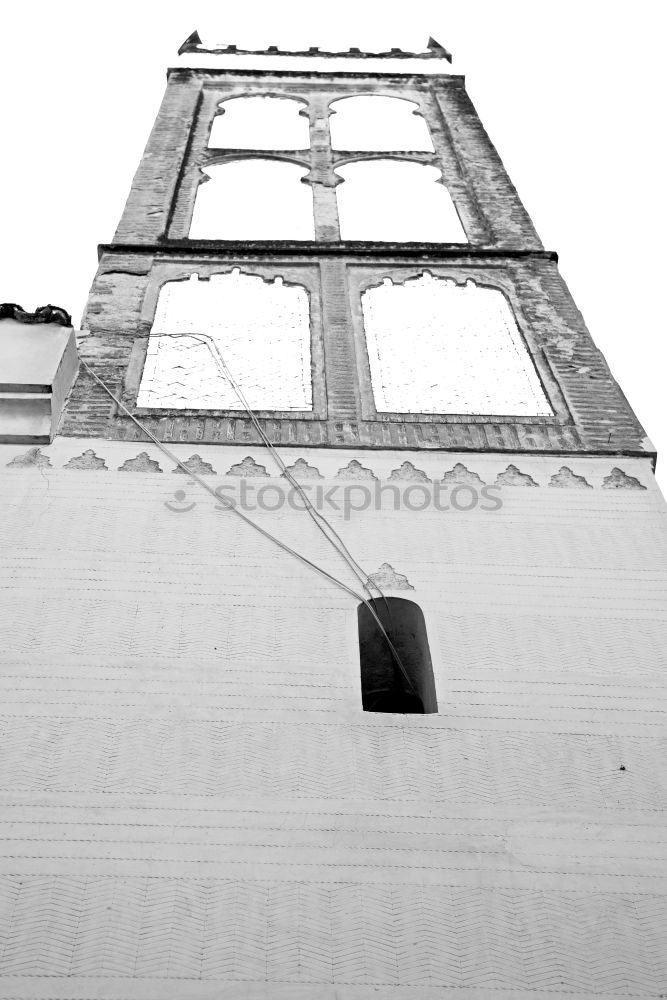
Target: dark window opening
387, 685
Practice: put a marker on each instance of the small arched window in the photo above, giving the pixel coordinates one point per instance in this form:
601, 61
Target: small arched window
378, 123
253, 199
396, 201
389, 683
260, 123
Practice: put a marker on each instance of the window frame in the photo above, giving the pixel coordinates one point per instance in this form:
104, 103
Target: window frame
344, 160
304, 275
321, 159
222, 158
417, 110
363, 278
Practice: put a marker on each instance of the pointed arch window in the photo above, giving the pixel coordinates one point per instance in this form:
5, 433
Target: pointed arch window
387, 685
438, 347
260, 329
253, 199
380, 123
391, 200
260, 122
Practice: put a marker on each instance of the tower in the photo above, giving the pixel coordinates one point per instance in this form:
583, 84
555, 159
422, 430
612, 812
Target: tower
334, 600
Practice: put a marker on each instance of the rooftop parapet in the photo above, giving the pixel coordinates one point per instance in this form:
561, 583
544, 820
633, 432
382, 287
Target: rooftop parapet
194, 44
433, 59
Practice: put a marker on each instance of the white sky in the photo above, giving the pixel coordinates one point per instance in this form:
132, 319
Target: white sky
572, 94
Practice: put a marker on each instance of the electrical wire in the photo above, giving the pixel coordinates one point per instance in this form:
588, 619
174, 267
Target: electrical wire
230, 505
322, 523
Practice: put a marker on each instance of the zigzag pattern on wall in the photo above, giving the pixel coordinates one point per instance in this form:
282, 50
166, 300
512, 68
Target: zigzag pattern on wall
313, 760
199, 929
225, 634
478, 641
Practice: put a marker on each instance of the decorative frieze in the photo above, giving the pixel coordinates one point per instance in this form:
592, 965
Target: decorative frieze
302, 470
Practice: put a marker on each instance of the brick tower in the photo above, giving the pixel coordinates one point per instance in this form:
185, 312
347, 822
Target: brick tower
407, 742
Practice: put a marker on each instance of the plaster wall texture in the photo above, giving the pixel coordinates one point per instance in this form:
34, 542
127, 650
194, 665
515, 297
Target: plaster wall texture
193, 802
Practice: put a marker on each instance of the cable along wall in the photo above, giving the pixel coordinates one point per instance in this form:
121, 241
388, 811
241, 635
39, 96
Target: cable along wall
438, 347
260, 328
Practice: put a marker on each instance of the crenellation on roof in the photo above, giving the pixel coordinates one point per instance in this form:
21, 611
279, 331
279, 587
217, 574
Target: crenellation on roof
194, 45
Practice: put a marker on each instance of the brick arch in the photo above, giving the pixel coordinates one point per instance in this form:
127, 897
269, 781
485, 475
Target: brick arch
198, 272
403, 155
220, 156
399, 276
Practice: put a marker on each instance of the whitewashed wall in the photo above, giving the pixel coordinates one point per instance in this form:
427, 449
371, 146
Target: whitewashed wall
194, 804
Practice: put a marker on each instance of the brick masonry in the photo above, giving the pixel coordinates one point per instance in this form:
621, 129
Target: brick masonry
592, 413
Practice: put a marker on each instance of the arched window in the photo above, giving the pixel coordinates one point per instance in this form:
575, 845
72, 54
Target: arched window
253, 199
260, 123
438, 347
260, 329
379, 123
396, 201
390, 683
